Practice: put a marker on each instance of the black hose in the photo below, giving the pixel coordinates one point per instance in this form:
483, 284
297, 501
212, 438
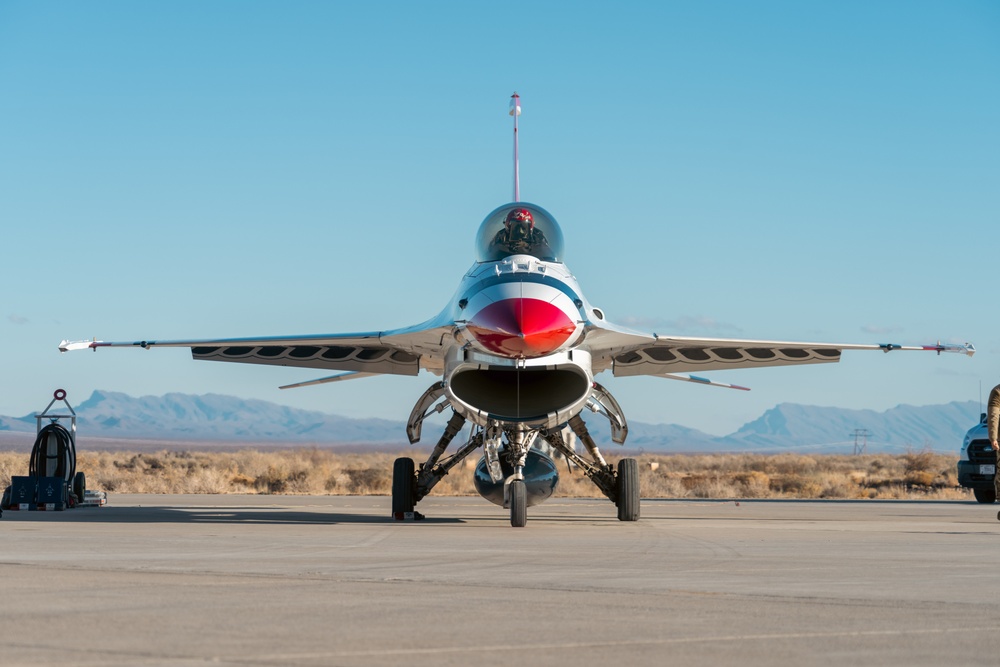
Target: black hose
64, 456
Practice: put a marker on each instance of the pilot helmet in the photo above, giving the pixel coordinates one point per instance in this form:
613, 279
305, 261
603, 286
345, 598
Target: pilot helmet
520, 216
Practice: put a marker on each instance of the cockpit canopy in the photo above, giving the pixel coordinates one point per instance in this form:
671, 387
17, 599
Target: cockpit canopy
519, 229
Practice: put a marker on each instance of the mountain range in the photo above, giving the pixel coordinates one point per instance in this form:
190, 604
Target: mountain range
786, 427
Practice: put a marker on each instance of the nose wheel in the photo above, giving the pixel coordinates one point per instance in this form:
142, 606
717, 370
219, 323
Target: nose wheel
518, 503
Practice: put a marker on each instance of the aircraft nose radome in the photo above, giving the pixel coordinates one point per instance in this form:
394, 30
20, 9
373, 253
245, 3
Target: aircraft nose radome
520, 327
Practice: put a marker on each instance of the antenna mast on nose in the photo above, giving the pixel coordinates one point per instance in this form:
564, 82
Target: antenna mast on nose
515, 111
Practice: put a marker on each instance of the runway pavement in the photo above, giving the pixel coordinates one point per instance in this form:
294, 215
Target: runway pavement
293, 580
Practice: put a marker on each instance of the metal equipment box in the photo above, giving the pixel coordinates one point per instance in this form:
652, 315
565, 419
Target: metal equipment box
52, 494
22, 493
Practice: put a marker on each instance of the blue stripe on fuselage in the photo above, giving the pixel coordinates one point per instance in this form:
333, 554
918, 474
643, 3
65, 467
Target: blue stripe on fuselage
480, 285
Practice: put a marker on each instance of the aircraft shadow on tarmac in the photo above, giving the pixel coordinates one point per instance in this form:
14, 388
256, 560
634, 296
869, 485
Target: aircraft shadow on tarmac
220, 514
235, 514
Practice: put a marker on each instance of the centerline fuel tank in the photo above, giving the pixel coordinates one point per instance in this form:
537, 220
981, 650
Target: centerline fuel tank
540, 478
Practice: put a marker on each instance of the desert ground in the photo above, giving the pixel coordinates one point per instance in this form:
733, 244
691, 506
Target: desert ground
203, 469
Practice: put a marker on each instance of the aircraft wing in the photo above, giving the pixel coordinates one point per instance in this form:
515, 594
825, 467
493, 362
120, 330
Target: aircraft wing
395, 352
632, 353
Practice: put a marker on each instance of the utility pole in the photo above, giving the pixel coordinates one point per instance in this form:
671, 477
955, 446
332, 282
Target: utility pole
862, 433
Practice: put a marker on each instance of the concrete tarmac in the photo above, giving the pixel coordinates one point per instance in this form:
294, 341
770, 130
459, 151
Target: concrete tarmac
294, 580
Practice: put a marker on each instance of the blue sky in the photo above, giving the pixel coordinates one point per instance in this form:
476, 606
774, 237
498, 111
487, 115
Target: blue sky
782, 170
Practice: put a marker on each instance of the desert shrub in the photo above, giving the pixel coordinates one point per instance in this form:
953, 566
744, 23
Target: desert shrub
154, 463
298, 481
690, 482
833, 486
272, 480
920, 478
662, 486
788, 484
369, 480
810, 490
131, 464
109, 483
791, 464
11, 465
921, 461
239, 479
706, 486
753, 484
892, 492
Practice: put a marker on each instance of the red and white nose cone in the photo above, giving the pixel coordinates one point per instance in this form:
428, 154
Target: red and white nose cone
521, 327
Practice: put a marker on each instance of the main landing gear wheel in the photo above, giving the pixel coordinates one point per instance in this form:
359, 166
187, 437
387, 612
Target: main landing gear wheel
985, 496
628, 490
518, 503
402, 487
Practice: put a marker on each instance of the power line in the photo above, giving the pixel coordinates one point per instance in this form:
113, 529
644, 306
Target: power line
862, 433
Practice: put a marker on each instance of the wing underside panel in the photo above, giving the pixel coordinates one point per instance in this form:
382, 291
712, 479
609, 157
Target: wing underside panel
358, 358
658, 359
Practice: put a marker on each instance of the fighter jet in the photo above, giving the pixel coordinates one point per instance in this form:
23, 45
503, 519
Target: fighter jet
516, 351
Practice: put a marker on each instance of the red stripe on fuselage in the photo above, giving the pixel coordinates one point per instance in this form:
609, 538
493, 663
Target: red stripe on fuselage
521, 328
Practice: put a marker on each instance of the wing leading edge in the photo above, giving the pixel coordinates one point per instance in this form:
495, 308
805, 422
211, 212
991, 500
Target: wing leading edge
407, 351
396, 352
630, 353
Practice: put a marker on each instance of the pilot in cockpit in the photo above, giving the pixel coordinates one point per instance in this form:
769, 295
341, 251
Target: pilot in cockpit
519, 235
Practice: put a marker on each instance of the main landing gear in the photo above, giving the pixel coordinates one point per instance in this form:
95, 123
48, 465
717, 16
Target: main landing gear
621, 487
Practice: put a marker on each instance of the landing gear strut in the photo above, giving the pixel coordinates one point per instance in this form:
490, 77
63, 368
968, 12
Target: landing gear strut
621, 488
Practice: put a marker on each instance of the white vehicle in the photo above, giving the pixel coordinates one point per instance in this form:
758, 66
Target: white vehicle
977, 463
516, 351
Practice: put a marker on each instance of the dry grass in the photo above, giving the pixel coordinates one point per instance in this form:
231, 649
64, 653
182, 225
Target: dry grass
916, 475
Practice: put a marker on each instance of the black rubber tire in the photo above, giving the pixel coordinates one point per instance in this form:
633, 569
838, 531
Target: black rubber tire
402, 485
627, 482
985, 496
518, 504
79, 486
